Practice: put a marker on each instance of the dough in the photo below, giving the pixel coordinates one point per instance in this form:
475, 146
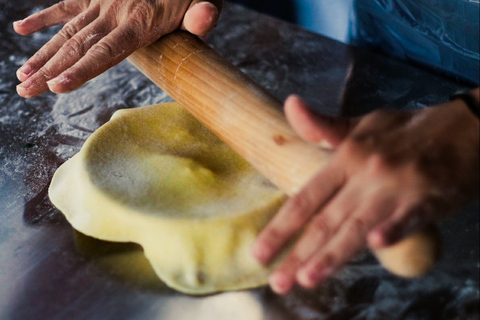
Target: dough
155, 176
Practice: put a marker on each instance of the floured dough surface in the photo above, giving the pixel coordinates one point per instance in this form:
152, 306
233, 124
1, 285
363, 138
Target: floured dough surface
155, 176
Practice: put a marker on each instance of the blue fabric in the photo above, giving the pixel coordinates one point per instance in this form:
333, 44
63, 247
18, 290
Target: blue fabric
330, 18
441, 34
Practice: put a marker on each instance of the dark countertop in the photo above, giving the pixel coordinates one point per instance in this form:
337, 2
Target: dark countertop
49, 272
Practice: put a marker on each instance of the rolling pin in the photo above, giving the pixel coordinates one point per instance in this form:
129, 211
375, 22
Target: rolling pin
249, 119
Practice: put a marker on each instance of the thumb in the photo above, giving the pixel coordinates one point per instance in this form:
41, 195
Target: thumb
325, 131
202, 16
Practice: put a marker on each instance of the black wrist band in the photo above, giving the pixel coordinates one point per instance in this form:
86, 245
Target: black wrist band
469, 100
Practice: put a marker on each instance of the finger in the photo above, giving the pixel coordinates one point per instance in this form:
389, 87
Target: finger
105, 54
406, 219
202, 16
320, 229
349, 240
295, 213
39, 59
59, 13
324, 131
71, 52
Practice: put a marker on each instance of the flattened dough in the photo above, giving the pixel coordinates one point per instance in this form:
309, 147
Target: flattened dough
155, 176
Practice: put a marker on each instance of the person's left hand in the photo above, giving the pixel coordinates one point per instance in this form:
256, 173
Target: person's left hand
98, 34
391, 173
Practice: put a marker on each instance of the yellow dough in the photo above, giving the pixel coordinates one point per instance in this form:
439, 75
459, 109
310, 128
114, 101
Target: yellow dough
155, 176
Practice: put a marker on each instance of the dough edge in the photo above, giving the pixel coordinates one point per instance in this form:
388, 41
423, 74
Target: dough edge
202, 268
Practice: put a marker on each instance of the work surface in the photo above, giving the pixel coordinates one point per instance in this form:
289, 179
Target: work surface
49, 272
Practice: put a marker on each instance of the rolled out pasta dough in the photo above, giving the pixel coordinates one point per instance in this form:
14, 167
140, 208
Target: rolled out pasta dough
155, 176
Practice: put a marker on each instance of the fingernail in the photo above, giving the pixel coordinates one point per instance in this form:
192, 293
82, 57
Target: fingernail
59, 79
25, 85
312, 278
18, 22
22, 89
25, 70
208, 6
280, 283
307, 279
53, 81
293, 97
206, 3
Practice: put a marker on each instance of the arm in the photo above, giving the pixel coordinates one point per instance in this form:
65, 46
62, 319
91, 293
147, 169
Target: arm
391, 173
99, 34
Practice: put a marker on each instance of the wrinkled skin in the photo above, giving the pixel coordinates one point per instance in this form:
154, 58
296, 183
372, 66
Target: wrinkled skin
391, 172
98, 34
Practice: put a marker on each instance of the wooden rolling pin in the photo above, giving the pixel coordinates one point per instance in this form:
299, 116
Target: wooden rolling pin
250, 120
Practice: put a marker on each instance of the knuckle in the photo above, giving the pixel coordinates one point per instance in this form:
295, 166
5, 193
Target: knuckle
80, 5
305, 200
70, 7
299, 207
47, 73
320, 225
357, 226
142, 16
134, 37
40, 57
102, 49
73, 47
62, 6
68, 31
299, 202
138, 23
294, 260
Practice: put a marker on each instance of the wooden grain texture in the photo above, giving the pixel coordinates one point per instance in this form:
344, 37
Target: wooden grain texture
240, 112
249, 119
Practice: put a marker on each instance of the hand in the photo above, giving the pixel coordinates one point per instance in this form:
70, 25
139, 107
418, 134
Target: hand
391, 172
98, 34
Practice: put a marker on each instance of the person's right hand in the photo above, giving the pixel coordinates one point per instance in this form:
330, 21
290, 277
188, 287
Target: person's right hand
98, 34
